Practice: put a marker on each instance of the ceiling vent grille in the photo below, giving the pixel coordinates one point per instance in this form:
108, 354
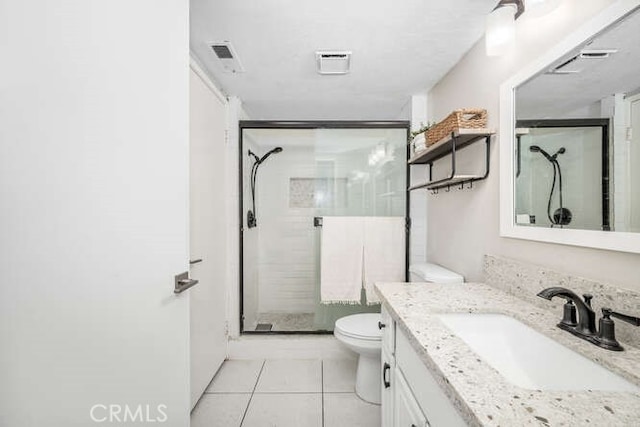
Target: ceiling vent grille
333, 62
583, 60
228, 57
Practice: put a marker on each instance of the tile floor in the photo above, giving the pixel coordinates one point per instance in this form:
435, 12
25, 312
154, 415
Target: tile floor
284, 393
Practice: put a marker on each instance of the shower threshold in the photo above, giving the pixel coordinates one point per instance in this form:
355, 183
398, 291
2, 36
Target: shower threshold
285, 322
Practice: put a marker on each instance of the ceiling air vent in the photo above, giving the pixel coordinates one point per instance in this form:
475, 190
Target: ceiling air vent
333, 62
228, 57
582, 61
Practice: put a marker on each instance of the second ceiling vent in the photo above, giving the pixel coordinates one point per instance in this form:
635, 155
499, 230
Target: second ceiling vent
333, 62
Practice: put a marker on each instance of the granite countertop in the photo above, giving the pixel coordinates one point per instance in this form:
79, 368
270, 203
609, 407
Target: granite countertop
482, 395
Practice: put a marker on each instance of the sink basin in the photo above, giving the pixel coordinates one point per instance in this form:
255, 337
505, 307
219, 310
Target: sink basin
528, 359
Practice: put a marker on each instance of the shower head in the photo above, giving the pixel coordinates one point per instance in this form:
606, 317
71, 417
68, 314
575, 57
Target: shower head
537, 149
275, 150
562, 150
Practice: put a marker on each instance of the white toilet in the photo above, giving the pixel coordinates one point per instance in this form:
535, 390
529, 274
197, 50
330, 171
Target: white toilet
361, 333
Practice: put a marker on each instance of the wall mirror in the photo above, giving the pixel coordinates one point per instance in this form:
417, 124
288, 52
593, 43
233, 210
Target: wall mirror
570, 131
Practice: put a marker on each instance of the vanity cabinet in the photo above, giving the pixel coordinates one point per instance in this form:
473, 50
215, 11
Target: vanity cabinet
410, 394
388, 386
388, 368
407, 412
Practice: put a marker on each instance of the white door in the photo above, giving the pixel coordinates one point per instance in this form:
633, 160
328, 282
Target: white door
208, 231
94, 221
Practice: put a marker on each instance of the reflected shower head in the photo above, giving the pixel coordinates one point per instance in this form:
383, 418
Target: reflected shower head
275, 150
537, 149
560, 151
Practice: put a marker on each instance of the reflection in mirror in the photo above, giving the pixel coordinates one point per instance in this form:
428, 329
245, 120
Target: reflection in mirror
577, 159
564, 165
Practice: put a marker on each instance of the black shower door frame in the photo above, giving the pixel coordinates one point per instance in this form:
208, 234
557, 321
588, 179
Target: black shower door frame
319, 124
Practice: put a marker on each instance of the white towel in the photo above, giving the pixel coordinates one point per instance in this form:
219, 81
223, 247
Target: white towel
384, 248
341, 260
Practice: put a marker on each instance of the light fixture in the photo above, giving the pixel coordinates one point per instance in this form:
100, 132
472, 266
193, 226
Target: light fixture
501, 27
541, 7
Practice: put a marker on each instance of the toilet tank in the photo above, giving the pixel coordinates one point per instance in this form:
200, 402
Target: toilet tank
427, 272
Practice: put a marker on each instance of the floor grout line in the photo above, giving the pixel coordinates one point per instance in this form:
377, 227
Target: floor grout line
226, 392
287, 392
252, 393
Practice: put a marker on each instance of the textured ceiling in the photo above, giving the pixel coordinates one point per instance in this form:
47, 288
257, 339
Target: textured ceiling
399, 49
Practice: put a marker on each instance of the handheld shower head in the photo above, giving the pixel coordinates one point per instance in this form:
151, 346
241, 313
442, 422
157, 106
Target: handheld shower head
274, 150
251, 214
537, 149
562, 150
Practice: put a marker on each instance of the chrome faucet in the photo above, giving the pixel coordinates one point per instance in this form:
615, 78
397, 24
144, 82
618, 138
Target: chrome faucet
585, 327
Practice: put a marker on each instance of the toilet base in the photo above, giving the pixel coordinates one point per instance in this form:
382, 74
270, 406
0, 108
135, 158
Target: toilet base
368, 378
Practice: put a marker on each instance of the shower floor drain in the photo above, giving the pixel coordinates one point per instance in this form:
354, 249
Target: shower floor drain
264, 327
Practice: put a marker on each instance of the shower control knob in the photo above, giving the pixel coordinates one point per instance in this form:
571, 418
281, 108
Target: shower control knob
381, 325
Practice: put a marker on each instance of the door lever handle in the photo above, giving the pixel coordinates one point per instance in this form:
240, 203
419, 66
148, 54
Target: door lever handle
183, 282
195, 261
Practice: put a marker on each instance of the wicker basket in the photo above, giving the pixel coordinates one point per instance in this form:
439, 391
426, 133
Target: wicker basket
460, 119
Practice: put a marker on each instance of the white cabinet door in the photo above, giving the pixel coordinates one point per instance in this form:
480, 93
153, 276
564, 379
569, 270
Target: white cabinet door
406, 409
208, 233
388, 331
388, 388
433, 401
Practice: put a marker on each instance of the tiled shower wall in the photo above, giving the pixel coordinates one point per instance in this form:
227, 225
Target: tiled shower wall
286, 247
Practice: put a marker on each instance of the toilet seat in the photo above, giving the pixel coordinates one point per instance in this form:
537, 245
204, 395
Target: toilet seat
362, 326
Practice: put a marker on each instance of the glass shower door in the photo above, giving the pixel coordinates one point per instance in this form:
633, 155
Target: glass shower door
359, 172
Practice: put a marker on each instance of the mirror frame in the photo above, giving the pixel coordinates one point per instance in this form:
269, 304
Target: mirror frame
610, 240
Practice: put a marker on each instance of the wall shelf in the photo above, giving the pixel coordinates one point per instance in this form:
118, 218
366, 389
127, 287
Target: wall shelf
448, 147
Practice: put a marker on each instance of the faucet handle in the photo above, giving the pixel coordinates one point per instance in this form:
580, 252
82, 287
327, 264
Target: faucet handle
606, 312
569, 314
587, 299
607, 334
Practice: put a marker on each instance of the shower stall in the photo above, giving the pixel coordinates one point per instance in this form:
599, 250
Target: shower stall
292, 175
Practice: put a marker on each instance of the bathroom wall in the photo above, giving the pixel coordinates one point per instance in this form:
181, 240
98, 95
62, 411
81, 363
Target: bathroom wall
236, 113
464, 224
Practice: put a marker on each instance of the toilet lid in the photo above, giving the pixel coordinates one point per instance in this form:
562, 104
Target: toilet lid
361, 326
